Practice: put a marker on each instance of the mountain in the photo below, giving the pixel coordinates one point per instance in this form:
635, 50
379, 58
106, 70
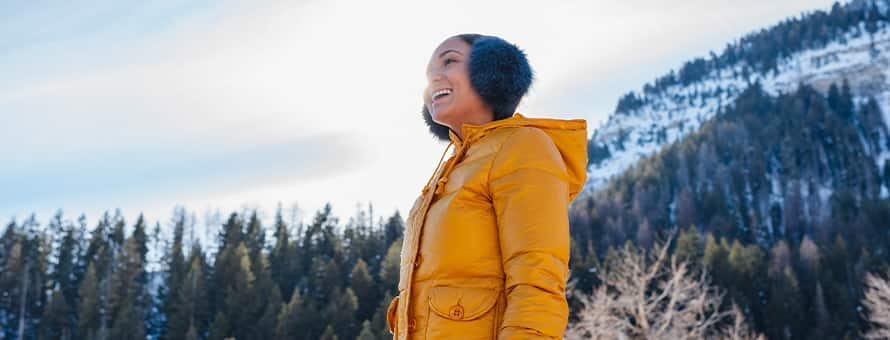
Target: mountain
850, 41
770, 164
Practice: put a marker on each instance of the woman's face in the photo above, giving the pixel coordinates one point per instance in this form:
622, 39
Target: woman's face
449, 97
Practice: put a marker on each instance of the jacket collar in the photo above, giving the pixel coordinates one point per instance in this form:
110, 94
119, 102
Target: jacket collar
569, 136
471, 132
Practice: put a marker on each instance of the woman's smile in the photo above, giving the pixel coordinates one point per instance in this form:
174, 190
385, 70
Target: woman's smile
441, 96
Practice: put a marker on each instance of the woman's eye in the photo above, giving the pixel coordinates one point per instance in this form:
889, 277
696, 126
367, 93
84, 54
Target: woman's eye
448, 61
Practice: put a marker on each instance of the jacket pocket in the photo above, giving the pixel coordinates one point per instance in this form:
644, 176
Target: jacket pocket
461, 312
391, 315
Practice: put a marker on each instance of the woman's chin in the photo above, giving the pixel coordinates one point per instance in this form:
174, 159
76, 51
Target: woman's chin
440, 115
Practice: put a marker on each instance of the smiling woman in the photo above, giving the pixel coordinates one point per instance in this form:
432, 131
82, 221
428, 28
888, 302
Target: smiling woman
486, 247
488, 76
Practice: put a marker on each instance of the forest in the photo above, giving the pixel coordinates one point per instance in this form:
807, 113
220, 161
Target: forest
782, 200
322, 280
779, 199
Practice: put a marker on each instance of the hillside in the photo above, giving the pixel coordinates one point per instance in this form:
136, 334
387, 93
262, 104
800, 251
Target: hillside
773, 162
850, 41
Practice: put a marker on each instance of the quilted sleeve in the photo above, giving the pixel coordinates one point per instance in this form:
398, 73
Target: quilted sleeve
528, 184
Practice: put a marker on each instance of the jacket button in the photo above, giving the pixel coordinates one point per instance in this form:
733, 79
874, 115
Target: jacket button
412, 324
457, 312
417, 260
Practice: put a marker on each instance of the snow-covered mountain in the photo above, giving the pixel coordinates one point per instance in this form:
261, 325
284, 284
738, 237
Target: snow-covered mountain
643, 123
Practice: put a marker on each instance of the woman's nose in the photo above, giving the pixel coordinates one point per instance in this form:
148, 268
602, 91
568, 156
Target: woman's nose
436, 75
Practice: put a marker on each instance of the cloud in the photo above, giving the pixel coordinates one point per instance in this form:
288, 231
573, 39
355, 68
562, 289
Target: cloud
133, 175
220, 103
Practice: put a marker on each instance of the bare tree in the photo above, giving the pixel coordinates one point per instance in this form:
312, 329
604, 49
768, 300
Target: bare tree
877, 300
650, 295
738, 330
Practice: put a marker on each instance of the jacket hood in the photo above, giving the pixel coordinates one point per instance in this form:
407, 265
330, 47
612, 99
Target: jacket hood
569, 135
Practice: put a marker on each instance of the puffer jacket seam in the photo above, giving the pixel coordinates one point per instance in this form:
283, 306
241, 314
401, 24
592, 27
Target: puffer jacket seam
527, 252
494, 161
498, 308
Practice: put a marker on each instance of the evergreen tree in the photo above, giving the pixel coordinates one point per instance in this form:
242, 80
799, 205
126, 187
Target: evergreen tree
129, 297
66, 273
128, 324
378, 322
89, 310
265, 328
220, 327
255, 236
340, 311
389, 268
689, 246
174, 275
291, 322
329, 334
57, 321
282, 257
367, 333
365, 290
193, 310
237, 282
715, 258
393, 229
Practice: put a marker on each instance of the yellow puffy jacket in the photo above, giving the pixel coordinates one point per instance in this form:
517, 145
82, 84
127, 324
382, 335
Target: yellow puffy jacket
486, 247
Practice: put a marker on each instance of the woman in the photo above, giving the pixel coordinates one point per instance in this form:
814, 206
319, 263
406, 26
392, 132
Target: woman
486, 247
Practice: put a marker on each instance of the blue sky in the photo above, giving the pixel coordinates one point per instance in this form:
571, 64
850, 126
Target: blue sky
227, 105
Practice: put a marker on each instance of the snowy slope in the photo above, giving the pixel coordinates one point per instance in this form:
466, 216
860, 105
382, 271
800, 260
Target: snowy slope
679, 110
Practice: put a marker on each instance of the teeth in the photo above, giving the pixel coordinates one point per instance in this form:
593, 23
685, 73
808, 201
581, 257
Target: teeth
441, 92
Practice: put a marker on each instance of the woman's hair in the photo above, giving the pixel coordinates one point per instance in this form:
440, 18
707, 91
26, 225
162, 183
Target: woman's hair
499, 72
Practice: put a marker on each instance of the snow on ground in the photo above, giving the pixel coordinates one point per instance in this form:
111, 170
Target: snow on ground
863, 60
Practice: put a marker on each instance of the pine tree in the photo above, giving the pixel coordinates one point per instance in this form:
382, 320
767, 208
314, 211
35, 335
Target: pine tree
686, 212
689, 246
193, 311
57, 321
192, 333
255, 236
282, 256
129, 298
66, 267
340, 311
289, 324
329, 334
237, 282
393, 229
784, 315
367, 333
128, 324
220, 328
365, 290
22, 279
231, 233
389, 268
265, 328
8, 261
378, 322
88, 323
174, 274
715, 258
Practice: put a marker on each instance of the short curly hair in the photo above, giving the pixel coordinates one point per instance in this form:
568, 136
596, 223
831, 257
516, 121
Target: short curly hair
499, 72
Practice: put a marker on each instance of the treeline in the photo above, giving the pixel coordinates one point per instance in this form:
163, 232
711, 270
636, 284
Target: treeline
761, 52
781, 198
323, 280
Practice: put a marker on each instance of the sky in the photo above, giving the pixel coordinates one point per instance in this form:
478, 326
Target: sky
224, 106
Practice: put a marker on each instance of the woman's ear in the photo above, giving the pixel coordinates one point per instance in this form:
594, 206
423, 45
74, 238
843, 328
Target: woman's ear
438, 130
